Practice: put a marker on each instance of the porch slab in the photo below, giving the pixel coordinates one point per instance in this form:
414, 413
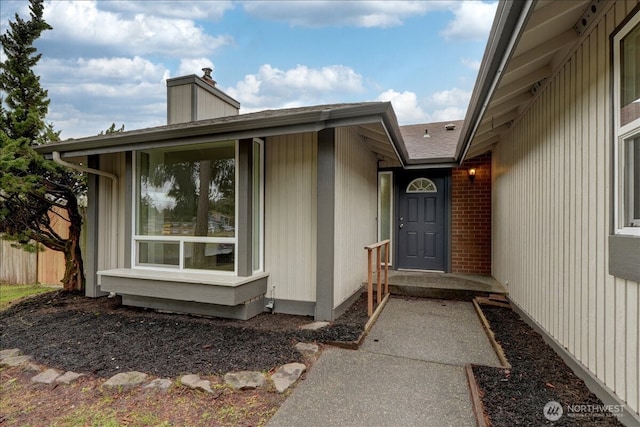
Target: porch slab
455, 286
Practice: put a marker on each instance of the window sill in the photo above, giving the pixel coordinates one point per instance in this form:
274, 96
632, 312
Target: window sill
202, 278
624, 256
184, 286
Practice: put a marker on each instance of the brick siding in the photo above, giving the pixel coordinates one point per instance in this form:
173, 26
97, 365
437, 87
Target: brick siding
471, 217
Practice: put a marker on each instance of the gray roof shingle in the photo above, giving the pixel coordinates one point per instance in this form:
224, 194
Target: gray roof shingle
441, 144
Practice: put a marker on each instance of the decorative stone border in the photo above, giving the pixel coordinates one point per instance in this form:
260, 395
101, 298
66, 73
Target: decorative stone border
282, 378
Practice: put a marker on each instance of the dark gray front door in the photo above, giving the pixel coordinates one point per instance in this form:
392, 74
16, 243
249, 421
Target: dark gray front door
421, 224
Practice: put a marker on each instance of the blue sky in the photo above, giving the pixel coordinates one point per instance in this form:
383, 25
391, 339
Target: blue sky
107, 61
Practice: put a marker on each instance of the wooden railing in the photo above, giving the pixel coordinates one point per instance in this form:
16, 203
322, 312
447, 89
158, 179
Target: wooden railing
378, 268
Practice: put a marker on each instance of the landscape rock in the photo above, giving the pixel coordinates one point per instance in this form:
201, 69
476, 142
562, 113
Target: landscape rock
32, 367
15, 360
162, 384
10, 352
47, 377
286, 375
244, 380
304, 347
126, 379
195, 382
315, 325
68, 377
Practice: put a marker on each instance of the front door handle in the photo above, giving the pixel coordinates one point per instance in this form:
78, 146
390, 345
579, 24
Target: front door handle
401, 225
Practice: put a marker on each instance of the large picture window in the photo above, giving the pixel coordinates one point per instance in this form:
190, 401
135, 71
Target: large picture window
185, 207
626, 51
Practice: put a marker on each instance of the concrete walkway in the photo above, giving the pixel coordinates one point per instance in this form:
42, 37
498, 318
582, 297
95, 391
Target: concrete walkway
409, 371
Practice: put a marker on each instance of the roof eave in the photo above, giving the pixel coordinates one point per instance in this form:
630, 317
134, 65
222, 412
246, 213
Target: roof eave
507, 29
189, 133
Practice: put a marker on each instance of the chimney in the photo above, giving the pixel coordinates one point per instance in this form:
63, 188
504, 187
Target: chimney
207, 76
192, 98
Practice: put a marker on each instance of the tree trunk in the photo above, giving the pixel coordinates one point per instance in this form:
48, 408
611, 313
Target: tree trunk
202, 213
74, 279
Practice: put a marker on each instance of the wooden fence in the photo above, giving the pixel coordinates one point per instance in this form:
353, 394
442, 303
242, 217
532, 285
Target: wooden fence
46, 266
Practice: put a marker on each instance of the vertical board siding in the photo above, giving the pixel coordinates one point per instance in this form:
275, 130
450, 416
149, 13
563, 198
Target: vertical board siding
290, 215
111, 236
179, 108
551, 213
356, 196
210, 106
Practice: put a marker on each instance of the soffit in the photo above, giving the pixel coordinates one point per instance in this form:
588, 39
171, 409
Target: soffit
544, 44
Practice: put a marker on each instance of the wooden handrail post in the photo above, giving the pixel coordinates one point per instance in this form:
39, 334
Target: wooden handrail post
378, 247
378, 272
369, 285
386, 268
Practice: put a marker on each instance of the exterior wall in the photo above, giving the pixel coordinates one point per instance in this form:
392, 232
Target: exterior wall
209, 106
179, 104
290, 216
355, 212
551, 216
111, 217
471, 217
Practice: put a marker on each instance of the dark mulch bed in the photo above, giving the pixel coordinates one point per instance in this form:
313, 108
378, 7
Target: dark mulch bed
517, 397
102, 337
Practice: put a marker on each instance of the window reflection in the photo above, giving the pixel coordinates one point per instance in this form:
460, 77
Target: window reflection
187, 193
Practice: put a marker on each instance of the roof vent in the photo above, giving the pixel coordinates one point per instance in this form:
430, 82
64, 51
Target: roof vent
426, 134
207, 76
588, 16
450, 126
535, 88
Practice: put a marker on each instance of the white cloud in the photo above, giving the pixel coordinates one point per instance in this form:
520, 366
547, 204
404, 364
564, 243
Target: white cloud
211, 10
471, 63
100, 71
84, 23
368, 14
405, 105
449, 113
438, 107
194, 66
76, 122
272, 87
452, 97
472, 21
87, 95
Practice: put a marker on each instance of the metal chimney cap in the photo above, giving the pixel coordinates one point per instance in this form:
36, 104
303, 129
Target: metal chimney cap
207, 75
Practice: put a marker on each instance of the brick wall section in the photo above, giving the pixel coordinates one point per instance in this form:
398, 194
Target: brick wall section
471, 217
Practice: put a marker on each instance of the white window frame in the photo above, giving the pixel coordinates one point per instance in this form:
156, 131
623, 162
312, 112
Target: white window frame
434, 188
181, 240
260, 269
622, 134
391, 217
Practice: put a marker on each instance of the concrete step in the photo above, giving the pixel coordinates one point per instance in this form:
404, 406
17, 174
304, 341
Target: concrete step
460, 287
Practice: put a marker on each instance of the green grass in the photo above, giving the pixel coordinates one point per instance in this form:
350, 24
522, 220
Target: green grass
13, 293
